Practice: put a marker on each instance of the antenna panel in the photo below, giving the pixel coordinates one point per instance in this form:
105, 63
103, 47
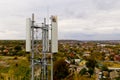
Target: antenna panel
28, 34
54, 35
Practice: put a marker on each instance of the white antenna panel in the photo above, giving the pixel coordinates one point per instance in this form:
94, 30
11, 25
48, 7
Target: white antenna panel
54, 35
28, 34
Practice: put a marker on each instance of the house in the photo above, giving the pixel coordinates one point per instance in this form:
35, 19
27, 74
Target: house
117, 58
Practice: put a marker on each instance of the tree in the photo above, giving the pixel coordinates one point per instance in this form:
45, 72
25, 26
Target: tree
60, 69
83, 71
91, 64
18, 48
104, 68
91, 71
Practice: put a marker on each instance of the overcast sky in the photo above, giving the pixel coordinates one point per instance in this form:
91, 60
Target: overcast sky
78, 19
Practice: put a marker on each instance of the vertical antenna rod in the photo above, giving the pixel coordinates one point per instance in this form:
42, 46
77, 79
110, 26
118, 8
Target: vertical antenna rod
32, 77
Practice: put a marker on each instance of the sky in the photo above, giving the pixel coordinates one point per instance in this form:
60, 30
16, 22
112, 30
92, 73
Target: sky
77, 19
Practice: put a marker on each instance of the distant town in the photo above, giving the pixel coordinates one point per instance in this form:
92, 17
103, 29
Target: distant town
75, 60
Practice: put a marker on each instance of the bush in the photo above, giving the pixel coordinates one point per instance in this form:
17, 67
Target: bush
91, 71
83, 71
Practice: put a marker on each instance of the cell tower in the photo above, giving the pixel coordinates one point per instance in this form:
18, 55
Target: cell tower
40, 58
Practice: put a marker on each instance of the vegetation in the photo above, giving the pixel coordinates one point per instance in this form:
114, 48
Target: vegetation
14, 68
75, 60
60, 69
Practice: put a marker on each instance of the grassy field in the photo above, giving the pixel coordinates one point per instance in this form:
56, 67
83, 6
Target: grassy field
14, 68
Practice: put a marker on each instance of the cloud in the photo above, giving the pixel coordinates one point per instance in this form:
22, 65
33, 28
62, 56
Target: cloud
97, 23
107, 4
85, 36
78, 19
7, 34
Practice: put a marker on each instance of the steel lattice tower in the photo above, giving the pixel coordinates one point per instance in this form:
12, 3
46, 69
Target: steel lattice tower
32, 43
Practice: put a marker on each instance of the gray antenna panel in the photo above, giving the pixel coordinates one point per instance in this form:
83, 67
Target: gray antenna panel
28, 34
54, 35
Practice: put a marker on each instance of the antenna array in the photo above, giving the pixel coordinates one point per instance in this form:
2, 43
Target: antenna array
41, 59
